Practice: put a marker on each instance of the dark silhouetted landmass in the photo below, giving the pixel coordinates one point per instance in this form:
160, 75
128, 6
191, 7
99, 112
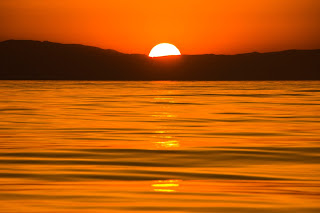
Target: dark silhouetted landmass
35, 60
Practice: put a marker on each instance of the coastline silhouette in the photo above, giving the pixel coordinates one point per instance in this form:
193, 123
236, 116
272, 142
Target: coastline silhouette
36, 60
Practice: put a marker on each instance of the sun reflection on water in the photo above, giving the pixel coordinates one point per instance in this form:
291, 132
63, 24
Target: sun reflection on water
165, 140
166, 185
168, 144
163, 136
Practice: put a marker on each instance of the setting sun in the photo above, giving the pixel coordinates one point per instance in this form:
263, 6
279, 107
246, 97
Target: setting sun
164, 49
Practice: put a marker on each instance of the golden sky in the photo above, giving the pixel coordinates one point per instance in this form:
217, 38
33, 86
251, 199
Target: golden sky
194, 26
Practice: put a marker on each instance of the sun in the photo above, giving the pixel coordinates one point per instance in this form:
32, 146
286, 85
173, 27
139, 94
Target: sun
164, 49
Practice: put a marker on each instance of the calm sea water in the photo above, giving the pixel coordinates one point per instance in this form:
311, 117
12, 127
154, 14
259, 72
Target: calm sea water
77, 146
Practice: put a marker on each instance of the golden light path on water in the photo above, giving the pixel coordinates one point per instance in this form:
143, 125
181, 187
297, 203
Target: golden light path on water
166, 185
225, 147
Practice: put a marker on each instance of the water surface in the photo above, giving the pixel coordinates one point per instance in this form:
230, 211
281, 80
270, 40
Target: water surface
79, 146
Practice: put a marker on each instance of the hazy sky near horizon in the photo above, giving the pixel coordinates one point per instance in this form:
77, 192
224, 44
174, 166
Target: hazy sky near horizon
194, 26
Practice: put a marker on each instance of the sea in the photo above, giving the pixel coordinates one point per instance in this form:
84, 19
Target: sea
159, 146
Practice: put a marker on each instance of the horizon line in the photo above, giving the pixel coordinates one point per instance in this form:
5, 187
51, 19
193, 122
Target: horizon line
253, 52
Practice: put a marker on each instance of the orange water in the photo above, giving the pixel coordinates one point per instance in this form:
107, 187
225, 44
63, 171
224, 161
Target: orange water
77, 146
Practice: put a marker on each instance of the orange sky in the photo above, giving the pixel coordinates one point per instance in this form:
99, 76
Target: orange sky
194, 26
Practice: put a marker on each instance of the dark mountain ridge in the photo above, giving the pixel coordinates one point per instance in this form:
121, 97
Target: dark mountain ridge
36, 60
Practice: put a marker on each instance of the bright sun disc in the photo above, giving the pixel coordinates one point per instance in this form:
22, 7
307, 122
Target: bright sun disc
164, 49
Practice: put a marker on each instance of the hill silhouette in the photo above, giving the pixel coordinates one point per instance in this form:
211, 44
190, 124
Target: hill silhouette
36, 60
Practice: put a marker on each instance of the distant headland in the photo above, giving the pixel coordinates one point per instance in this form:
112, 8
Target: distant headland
36, 60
